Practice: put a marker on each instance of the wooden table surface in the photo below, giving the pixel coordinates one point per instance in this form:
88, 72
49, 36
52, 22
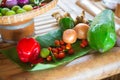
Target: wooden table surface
93, 66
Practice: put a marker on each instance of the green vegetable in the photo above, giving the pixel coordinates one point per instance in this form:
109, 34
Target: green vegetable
101, 35
10, 12
4, 10
44, 52
66, 23
46, 40
15, 8
0, 14
36, 2
27, 7
0, 9
20, 10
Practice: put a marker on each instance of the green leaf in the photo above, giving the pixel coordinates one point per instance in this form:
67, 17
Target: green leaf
46, 41
11, 53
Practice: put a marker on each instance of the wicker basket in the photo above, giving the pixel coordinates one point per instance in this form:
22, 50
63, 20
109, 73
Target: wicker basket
15, 27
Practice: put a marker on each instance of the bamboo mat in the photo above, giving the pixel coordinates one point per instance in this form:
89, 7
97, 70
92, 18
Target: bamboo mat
45, 23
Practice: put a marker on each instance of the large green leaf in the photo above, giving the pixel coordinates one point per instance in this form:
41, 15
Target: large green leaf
45, 41
48, 39
11, 53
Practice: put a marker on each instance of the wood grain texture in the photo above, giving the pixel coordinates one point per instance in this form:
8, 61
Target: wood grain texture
90, 67
117, 11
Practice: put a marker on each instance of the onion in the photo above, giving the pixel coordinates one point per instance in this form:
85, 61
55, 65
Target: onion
11, 3
23, 2
69, 36
81, 30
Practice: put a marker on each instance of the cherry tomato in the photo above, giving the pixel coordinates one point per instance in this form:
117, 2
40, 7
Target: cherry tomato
49, 58
63, 47
61, 55
56, 55
57, 42
54, 50
62, 42
70, 51
68, 46
60, 49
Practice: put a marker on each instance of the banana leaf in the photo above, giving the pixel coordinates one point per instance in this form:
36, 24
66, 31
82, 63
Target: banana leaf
45, 41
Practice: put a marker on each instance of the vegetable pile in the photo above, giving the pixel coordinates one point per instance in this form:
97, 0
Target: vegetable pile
12, 7
72, 40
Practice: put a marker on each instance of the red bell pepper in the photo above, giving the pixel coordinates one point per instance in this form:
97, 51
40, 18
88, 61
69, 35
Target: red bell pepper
28, 50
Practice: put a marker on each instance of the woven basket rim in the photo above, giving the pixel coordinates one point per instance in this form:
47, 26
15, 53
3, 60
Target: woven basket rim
6, 20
